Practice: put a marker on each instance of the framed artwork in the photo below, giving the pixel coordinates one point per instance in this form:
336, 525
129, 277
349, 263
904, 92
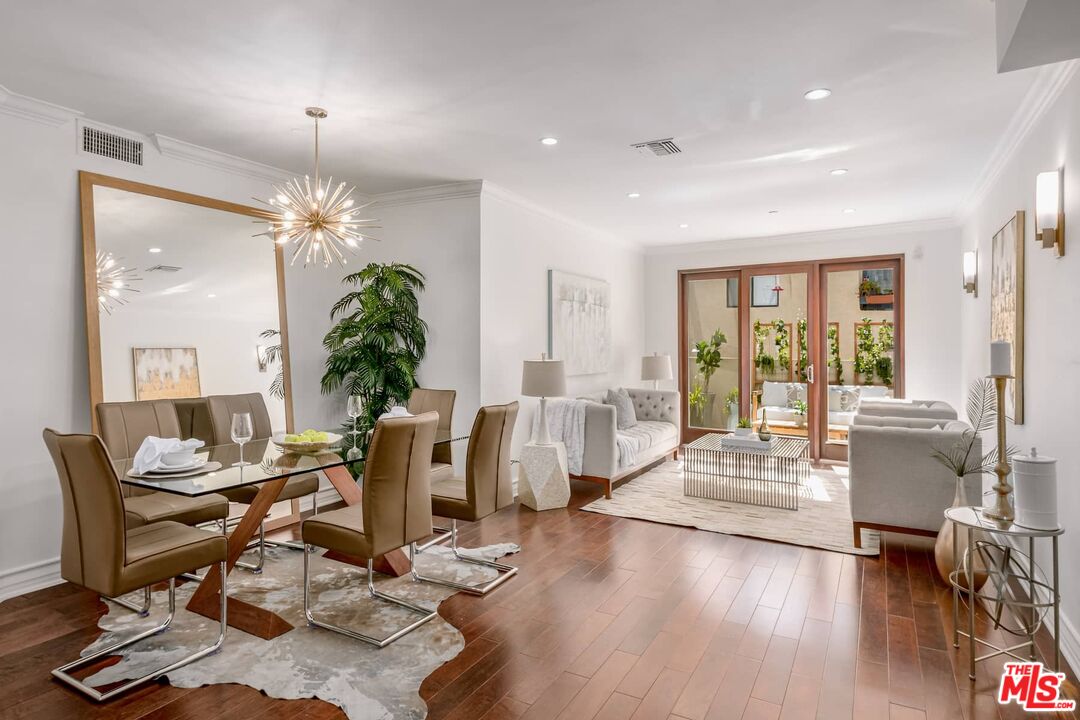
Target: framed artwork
733, 292
579, 322
166, 373
1007, 305
762, 292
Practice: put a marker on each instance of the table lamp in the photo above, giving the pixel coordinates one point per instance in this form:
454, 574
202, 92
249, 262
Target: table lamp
542, 379
656, 368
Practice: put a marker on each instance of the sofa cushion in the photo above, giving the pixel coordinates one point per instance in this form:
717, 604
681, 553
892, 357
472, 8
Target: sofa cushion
624, 408
780, 394
844, 398
642, 436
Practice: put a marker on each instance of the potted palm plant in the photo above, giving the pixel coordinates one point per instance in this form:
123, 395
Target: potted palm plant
707, 355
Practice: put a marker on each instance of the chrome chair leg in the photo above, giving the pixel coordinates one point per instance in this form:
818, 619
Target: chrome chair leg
375, 594
505, 571
442, 534
257, 568
292, 544
142, 610
62, 673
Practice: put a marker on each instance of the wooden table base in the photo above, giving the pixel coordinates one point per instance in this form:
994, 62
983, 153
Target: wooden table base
256, 620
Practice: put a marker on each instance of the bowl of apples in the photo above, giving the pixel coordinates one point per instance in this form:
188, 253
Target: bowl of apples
309, 442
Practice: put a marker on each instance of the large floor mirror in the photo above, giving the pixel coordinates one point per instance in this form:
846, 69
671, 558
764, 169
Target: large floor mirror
183, 299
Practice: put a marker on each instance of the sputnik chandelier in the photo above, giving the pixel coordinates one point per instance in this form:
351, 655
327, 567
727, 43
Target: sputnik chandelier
113, 281
320, 220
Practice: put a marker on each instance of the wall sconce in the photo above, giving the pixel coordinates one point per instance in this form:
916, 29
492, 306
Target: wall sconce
971, 272
260, 357
1050, 211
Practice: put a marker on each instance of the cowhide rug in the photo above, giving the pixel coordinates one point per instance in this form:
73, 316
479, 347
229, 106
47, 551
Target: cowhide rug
364, 681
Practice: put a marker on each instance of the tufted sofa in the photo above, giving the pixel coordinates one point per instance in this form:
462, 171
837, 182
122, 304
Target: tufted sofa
608, 450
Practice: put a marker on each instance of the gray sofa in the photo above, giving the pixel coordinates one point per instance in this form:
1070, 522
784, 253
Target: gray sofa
655, 437
891, 407
895, 482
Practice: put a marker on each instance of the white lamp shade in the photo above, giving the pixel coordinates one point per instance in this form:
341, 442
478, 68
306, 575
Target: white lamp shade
543, 378
656, 367
971, 269
1047, 200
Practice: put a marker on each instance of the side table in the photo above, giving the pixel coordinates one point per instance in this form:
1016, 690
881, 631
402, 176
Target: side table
543, 478
1003, 577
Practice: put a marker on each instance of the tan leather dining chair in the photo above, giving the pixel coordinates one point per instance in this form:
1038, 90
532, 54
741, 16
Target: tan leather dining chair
395, 512
221, 409
124, 426
425, 400
486, 488
99, 552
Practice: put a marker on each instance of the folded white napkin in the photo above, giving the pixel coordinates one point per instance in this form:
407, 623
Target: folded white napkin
396, 411
154, 448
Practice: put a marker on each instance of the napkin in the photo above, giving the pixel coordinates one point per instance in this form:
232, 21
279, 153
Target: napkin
154, 448
396, 411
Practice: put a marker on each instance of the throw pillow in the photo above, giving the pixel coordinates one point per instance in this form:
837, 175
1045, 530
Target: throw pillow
625, 417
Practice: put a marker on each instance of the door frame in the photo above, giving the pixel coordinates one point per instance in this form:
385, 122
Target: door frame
817, 420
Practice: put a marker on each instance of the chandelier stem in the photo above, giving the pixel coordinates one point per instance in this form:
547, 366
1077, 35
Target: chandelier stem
317, 185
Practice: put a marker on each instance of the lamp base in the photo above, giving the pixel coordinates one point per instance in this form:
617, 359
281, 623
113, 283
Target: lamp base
543, 432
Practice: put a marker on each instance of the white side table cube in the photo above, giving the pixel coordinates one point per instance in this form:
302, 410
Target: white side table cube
543, 478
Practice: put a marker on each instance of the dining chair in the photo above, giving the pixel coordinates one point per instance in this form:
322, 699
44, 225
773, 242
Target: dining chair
221, 409
486, 488
101, 553
424, 400
395, 512
123, 427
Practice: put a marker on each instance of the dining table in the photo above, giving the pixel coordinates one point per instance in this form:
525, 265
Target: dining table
269, 466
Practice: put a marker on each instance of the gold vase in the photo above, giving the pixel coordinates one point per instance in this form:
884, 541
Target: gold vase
764, 433
943, 548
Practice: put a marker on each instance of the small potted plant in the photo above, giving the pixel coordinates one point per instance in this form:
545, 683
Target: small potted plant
799, 408
696, 400
732, 402
745, 428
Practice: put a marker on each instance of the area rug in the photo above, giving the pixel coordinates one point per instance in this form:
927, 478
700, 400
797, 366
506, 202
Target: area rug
823, 519
364, 681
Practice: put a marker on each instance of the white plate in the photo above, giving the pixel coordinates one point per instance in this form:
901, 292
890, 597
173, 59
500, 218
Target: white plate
167, 469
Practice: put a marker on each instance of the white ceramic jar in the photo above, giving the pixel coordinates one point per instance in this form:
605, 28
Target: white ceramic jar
1035, 484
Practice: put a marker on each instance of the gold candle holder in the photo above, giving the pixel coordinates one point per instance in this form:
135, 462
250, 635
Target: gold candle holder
1002, 511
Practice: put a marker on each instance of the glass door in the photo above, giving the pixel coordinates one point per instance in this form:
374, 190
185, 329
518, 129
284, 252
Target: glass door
862, 304
709, 330
781, 349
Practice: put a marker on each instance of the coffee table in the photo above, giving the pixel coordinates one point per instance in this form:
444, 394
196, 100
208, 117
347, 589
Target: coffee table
766, 478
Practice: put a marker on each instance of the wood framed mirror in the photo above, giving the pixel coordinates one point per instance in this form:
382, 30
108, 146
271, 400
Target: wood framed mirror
183, 298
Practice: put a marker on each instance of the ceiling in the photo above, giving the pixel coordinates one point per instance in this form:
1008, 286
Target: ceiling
429, 92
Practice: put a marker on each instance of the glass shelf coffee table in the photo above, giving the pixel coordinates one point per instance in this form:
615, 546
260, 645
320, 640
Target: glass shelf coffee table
766, 478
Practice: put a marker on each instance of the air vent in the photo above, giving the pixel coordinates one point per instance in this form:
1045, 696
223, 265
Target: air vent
666, 146
111, 145
163, 268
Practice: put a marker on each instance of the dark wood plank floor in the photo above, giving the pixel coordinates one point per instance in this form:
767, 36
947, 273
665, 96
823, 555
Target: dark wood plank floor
612, 618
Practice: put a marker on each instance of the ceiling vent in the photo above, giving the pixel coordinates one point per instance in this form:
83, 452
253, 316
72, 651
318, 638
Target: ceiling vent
110, 145
666, 146
163, 268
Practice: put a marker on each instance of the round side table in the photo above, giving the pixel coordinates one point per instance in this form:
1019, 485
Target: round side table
1000, 576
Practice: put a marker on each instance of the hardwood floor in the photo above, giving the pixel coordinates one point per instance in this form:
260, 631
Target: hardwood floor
611, 618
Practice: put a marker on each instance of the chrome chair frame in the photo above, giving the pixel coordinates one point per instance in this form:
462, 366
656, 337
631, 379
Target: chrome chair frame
375, 594
142, 610
62, 673
505, 571
262, 542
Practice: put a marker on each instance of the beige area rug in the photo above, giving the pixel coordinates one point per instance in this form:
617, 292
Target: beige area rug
364, 681
823, 519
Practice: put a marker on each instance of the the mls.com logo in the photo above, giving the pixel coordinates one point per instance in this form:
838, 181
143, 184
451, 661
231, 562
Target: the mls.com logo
1032, 688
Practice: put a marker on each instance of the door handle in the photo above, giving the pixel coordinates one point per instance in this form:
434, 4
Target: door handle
810, 373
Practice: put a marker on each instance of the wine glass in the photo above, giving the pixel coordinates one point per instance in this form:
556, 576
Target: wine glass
242, 432
355, 408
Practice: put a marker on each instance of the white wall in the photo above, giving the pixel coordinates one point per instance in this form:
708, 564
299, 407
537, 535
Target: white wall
931, 270
1052, 304
519, 244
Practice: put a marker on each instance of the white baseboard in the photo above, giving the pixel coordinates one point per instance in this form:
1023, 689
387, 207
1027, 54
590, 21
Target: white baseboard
28, 578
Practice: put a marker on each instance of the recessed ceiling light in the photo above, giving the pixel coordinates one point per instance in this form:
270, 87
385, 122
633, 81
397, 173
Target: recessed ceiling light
155, 250
817, 94
211, 295
549, 141
848, 211
684, 225
633, 195
838, 171
773, 212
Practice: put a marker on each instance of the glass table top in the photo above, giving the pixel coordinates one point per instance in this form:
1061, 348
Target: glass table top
267, 462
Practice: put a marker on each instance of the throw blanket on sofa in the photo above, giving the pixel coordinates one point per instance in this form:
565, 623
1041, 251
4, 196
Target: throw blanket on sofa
566, 421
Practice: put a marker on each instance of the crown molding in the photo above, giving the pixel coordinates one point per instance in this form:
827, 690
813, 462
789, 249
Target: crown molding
502, 194
34, 110
199, 155
861, 232
1049, 83
431, 193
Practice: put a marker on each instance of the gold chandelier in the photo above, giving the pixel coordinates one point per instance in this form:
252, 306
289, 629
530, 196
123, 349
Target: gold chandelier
320, 220
113, 281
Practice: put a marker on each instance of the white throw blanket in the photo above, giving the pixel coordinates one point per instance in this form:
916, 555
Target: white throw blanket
153, 449
566, 421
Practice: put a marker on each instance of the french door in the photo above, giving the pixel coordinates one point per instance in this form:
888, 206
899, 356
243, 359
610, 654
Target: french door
789, 345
